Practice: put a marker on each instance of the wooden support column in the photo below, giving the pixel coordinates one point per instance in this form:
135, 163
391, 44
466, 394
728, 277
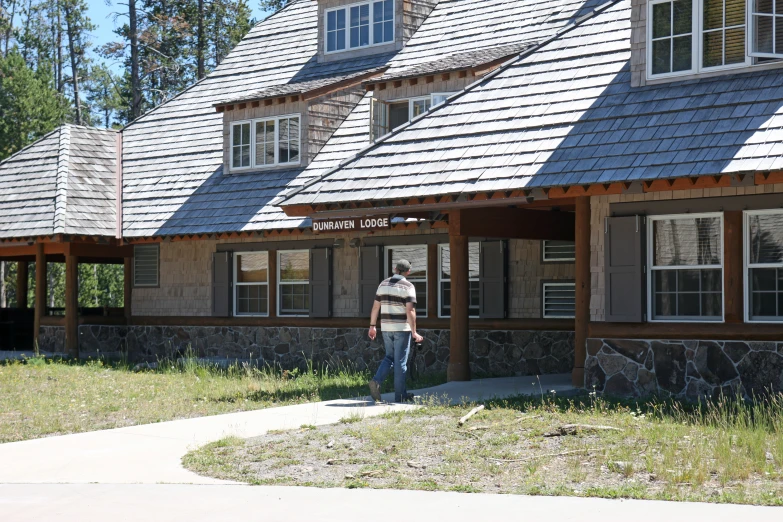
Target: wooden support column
128, 289
459, 367
582, 279
40, 291
21, 284
72, 305
272, 283
732, 267
432, 281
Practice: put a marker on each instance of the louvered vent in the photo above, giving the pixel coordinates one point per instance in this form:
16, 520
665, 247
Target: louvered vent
559, 300
146, 262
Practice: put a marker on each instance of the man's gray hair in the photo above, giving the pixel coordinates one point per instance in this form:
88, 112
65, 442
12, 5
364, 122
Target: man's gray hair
403, 266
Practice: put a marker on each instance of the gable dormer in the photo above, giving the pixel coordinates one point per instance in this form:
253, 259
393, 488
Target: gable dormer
351, 28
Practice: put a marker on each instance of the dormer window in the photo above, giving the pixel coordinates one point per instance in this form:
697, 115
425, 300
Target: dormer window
695, 36
359, 25
385, 116
265, 142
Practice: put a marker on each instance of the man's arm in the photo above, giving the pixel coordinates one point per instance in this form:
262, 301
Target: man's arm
411, 311
376, 308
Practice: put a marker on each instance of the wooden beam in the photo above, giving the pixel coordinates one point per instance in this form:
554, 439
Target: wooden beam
733, 297
40, 291
768, 178
515, 223
98, 251
432, 285
459, 366
21, 284
272, 283
72, 305
582, 280
128, 288
676, 331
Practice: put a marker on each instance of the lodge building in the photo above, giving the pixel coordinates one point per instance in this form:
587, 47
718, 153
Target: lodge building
591, 187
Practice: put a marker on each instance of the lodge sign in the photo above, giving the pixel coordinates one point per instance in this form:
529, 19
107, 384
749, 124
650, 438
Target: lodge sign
351, 224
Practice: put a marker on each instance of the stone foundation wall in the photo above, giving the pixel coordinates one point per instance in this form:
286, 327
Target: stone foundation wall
683, 369
51, 339
491, 352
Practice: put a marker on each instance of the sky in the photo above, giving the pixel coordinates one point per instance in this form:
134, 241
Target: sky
102, 15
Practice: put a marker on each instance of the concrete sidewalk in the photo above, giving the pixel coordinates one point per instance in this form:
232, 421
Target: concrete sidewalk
201, 503
151, 453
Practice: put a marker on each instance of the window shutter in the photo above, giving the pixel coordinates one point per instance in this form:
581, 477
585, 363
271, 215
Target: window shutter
492, 280
370, 276
624, 269
145, 265
321, 282
221, 284
378, 124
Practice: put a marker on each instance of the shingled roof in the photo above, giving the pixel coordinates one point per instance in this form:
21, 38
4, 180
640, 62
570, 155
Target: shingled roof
64, 183
566, 114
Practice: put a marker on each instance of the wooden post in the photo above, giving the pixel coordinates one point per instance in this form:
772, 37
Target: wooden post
272, 283
732, 267
72, 305
432, 281
582, 279
21, 284
40, 291
459, 367
128, 289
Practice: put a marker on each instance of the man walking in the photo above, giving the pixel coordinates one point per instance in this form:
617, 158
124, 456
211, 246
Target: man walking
396, 302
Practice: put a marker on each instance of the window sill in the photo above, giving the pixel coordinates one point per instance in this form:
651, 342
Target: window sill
713, 73
260, 170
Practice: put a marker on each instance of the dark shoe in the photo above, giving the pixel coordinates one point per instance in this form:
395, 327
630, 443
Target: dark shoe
375, 391
408, 398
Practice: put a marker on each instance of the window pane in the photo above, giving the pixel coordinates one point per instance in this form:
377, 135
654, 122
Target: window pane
762, 6
762, 34
735, 12
661, 56
712, 54
778, 34
710, 305
713, 14
765, 304
341, 19
419, 107
687, 241
245, 156
665, 305
388, 31
252, 268
388, 9
688, 305
295, 266
665, 280
398, 114
763, 279
236, 160
415, 254
735, 45
711, 280
683, 56
766, 238
364, 36
331, 21
688, 280
683, 17
377, 33
340, 39
661, 25
237, 138
293, 134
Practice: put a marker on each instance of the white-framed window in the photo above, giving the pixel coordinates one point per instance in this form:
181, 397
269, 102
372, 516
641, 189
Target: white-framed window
763, 265
558, 300
359, 25
385, 116
766, 35
417, 256
557, 251
251, 283
691, 36
685, 260
444, 280
146, 265
293, 282
266, 142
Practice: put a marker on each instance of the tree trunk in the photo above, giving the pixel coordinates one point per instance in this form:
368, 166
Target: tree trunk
60, 85
27, 29
3, 289
10, 27
134, 44
50, 286
200, 43
74, 62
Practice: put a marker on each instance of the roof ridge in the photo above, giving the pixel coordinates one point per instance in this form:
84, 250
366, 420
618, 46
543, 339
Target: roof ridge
61, 180
503, 67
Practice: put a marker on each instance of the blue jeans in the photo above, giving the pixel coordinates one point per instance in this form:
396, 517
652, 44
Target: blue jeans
398, 347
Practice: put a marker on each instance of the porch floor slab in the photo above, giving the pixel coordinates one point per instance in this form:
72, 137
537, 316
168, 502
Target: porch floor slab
152, 453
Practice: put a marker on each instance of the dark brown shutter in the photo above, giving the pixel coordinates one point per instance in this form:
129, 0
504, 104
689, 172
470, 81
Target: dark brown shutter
492, 280
624, 276
221, 284
321, 282
370, 276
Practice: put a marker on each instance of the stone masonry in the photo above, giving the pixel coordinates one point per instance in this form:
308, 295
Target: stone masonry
492, 353
683, 369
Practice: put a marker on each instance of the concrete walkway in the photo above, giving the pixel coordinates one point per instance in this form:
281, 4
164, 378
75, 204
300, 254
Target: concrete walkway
151, 453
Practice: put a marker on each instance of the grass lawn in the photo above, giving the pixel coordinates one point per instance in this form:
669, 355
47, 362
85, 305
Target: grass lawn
40, 398
726, 451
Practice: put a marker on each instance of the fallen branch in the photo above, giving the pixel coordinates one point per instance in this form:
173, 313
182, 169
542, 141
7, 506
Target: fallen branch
471, 413
573, 429
534, 457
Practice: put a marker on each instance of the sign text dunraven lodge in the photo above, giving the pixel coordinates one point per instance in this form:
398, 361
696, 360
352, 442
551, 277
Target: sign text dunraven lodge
351, 224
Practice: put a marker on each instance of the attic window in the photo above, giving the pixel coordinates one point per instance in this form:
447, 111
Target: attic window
385, 116
359, 25
265, 142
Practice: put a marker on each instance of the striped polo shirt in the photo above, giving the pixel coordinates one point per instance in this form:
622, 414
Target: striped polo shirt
393, 294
